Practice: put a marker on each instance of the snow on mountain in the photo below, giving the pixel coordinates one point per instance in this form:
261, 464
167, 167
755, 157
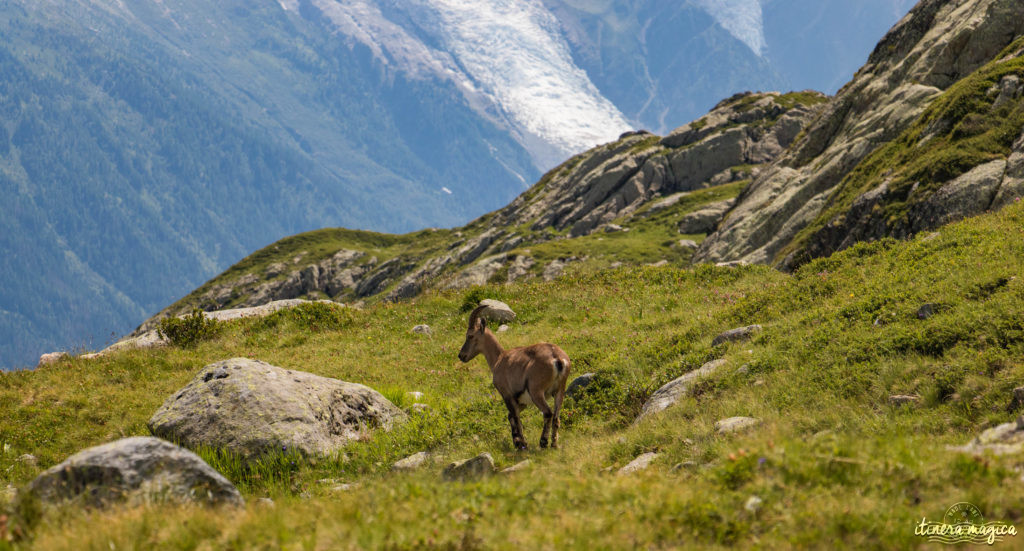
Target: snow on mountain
742, 18
508, 58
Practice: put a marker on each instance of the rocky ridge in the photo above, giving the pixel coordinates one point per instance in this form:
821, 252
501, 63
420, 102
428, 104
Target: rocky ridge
937, 44
637, 175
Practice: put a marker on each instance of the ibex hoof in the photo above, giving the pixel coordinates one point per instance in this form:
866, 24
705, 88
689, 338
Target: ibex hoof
543, 442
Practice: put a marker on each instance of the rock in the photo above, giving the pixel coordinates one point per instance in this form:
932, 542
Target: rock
556, 267
1018, 397
415, 395
579, 383
477, 245
149, 339
753, 504
743, 369
735, 424
479, 273
738, 334
522, 465
1010, 88
688, 244
706, 219
936, 44
422, 329
420, 408
251, 407
639, 463
686, 465
265, 502
520, 268
926, 311
613, 228
664, 203
140, 469
89, 356
497, 311
481, 465
342, 488
51, 358
28, 459
502, 328
1007, 438
659, 263
412, 462
674, 390
903, 399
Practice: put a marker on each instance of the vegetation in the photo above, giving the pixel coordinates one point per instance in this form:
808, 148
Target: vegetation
187, 331
833, 461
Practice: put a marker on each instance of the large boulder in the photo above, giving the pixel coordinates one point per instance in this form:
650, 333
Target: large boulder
675, 389
476, 467
140, 469
251, 407
706, 219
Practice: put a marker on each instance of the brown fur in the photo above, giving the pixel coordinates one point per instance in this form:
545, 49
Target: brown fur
521, 375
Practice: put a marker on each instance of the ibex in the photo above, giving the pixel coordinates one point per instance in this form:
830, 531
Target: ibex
533, 372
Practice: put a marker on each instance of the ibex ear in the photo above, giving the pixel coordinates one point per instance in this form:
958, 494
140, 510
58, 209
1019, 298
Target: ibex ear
481, 324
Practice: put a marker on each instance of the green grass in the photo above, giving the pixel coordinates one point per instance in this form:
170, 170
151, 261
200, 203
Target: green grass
834, 463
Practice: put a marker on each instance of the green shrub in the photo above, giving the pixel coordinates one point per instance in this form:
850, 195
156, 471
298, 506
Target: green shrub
188, 331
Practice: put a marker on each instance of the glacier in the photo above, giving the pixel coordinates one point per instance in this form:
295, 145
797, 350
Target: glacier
508, 58
741, 18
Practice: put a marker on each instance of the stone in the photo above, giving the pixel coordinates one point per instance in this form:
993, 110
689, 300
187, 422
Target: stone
903, 399
520, 268
476, 467
265, 502
28, 459
738, 334
1007, 438
521, 466
497, 311
686, 465
412, 462
251, 407
659, 264
555, 268
688, 244
502, 328
926, 311
51, 358
423, 329
579, 383
735, 424
613, 228
479, 273
676, 389
753, 504
1018, 397
640, 463
415, 395
420, 408
139, 469
706, 219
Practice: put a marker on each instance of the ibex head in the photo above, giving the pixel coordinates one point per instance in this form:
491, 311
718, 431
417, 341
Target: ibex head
474, 335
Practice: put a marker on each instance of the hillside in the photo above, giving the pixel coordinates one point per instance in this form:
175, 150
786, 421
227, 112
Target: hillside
640, 199
843, 331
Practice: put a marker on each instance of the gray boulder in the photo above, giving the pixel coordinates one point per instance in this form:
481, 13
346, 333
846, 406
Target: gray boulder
738, 334
412, 462
735, 424
579, 383
706, 219
251, 407
640, 463
497, 311
140, 469
423, 329
1007, 438
479, 466
674, 390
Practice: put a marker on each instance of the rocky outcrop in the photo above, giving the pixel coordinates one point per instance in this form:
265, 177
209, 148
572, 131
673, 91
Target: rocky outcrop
674, 390
251, 407
592, 189
138, 470
933, 47
706, 219
476, 467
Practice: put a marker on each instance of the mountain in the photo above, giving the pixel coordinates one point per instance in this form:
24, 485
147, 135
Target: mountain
146, 146
929, 131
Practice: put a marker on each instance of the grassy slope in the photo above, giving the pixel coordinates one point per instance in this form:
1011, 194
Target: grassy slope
833, 461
